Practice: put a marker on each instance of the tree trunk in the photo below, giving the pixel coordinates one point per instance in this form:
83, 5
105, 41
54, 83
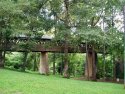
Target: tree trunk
1, 60
62, 64
35, 64
25, 54
104, 61
114, 68
54, 70
65, 71
124, 43
87, 65
2, 51
94, 65
66, 22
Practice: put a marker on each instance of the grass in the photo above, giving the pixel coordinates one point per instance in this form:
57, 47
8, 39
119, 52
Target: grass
12, 82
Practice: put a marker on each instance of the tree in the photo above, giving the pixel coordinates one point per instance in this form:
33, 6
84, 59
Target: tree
124, 44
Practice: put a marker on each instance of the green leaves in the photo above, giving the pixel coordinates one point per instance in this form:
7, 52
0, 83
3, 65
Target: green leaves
35, 17
7, 7
56, 5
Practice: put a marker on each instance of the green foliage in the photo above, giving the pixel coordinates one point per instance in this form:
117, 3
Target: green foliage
76, 63
13, 59
33, 61
56, 6
109, 66
26, 46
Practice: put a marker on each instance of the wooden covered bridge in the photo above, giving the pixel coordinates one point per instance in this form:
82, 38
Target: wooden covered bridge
24, 44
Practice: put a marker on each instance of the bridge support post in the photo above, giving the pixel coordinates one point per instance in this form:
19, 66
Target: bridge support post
1, 60
44, 67
90, 68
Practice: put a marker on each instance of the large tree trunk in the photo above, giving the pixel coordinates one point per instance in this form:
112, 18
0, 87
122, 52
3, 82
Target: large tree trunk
44, 66
66, 22
94, 68
91, 65
87, 65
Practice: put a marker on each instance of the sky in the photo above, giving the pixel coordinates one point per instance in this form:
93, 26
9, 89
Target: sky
118, 20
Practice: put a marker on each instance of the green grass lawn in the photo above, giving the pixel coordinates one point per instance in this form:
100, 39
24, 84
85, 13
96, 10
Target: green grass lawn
12, 82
